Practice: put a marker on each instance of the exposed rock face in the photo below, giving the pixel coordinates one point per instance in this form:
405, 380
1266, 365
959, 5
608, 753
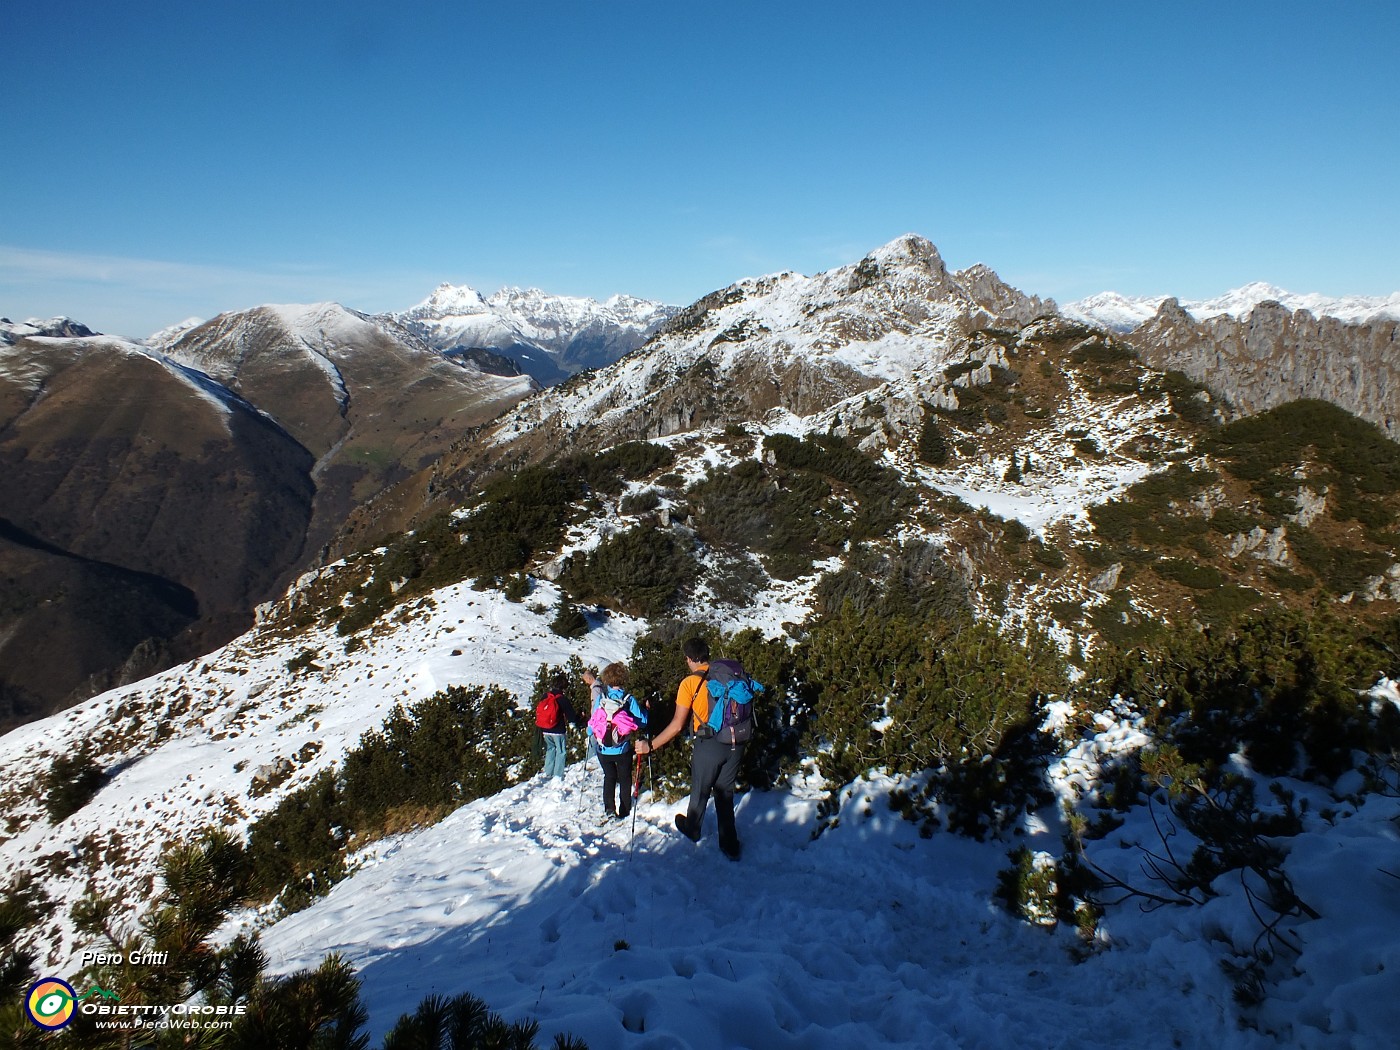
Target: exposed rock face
58, 327
792, 342
1274, 356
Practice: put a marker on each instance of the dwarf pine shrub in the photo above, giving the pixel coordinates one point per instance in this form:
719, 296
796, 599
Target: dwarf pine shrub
932, 447
21, 905
880, 494
458, 745
70, 783
961, 701
643, 571
569, 621
518, 516
1286, 687
319, 1007
907, 579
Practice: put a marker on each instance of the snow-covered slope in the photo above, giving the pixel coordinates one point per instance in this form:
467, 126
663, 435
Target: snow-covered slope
870, 935
57, 327
1120, 313
867, 936
171, 334
189, 745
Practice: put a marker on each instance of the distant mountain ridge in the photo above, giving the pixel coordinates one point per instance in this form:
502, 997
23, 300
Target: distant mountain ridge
550, 336
787, 455
1272, 355
56, 327
151, 499
369, 399
131, 519
392, 418
1121, 313
779, 342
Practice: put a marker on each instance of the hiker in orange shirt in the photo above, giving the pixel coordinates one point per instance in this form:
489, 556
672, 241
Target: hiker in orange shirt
716, 699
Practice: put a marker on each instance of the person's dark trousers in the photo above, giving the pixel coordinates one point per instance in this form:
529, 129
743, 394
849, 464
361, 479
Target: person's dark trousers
617, 772
714, 767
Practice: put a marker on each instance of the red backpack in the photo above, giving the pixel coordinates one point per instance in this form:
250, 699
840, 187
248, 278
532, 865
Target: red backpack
547, 713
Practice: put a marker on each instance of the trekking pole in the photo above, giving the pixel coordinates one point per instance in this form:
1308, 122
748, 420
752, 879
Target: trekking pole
651, 772
636, 794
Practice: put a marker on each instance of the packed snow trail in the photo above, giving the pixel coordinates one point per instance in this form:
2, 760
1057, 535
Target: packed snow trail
867, 936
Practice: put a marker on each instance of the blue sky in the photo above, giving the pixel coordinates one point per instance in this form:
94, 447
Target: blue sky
173, 159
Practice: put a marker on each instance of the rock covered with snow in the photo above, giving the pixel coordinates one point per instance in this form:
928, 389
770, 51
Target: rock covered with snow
789, 342
54, 328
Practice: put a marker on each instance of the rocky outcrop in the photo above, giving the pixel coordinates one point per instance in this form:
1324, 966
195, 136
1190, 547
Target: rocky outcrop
1274, 356
58, 327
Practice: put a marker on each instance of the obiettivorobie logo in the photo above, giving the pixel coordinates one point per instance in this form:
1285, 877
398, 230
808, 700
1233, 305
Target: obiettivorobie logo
51, 1003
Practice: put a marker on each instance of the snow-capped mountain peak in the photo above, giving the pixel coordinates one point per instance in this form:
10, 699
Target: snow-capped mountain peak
54, 327
793, 343
171, 334
449, 300
548, 336
1120, 313
910, 249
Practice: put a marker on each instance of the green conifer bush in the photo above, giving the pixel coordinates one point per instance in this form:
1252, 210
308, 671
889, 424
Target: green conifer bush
70, 783
423, 761
642, 571
21, 905
1286, 687
932, 445
907, 579
907, 697
569, 621
441, 1023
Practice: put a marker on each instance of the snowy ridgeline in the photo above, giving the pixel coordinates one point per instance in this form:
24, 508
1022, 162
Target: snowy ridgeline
1122, 313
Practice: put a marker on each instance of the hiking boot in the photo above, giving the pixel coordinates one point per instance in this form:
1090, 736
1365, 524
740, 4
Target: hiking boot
683, 826
731, 848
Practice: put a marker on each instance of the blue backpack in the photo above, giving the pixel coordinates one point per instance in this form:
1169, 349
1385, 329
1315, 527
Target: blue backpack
726, 712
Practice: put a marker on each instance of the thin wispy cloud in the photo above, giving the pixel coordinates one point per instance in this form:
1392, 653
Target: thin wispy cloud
123, 294
21, 266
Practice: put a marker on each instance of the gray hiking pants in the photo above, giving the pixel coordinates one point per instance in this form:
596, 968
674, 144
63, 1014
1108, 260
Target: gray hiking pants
714, 766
